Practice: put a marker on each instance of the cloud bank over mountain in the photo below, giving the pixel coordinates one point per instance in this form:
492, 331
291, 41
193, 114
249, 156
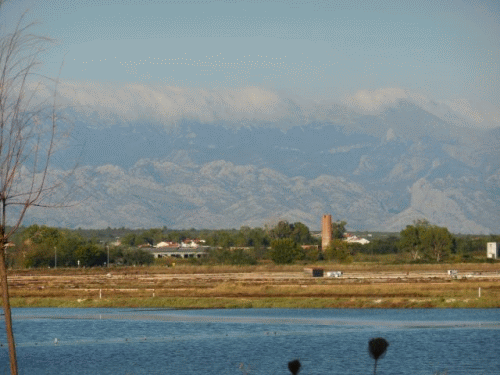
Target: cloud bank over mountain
160, 155
108, 103
458, 111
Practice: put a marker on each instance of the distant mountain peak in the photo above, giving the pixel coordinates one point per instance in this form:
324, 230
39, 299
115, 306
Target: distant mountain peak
377, 171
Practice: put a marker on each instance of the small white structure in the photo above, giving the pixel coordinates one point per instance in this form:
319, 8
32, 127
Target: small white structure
167, 244
353, 239
191, 244
334, 274
493, 250
177, 252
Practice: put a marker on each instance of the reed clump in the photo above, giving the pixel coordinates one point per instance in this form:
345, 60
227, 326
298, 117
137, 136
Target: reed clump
377, 348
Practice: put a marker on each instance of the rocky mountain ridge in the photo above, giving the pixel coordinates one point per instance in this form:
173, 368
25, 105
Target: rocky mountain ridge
376, 171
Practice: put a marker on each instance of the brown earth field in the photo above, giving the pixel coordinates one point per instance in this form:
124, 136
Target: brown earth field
187, 286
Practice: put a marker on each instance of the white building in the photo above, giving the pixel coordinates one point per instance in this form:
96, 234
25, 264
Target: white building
178, 252
167, 244
493, 250
191, 244
354, 239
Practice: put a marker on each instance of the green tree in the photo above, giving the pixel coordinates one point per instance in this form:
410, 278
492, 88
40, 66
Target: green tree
66, 248
152, 236
43, 235
285, 251
258, 238
175, 237
39, 245
38, 256
242, 238
339, 251
90, 255
297, 231
225, 239
466, 246
219, 255
437, 242
313, 254
411, 238
242, 256
133, 257
301, 233
282, 230
130, 239
338, 229
387, 245
234, 257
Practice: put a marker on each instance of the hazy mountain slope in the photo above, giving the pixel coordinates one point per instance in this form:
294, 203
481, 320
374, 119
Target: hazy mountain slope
377, 171
220, 194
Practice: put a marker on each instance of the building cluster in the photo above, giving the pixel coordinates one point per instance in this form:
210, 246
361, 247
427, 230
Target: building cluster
185, 249
184, 244
196, 248
327, 234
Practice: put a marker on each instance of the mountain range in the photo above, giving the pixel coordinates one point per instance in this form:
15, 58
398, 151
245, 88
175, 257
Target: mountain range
376, 170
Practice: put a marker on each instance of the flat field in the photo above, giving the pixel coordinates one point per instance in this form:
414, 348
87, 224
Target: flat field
362, 285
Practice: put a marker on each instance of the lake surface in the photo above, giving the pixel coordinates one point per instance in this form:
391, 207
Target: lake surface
252, 341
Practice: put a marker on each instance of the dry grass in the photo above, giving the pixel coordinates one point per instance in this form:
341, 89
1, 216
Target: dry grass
363, 285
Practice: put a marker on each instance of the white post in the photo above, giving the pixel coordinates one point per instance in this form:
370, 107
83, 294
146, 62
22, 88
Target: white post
479, 292
100, 294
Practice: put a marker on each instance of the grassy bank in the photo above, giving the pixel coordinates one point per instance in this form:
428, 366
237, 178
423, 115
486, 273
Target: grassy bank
280, 302
363, 286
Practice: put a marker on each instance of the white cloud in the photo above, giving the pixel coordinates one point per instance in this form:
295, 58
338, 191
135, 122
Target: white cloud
482, 113
379, 99
107, 103
375, 100
169, 104
461, 112
464, 107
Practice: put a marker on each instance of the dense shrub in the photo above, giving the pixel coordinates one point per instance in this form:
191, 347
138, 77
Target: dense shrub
130, 256
234, 257
285, 251
339, 251
90, 255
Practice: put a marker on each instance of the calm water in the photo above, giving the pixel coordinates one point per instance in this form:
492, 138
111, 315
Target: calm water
253, 341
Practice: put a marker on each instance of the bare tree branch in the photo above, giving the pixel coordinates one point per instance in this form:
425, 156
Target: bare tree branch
28, 129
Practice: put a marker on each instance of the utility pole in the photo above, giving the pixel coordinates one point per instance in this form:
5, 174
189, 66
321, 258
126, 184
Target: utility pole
55, 257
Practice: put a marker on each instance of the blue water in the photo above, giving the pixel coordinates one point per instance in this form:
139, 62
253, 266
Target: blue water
253, 341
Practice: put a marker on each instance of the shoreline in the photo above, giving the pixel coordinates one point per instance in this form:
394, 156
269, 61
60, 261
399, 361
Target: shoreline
202, 304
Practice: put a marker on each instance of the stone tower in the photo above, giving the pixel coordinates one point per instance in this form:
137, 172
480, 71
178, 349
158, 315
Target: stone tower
326, 231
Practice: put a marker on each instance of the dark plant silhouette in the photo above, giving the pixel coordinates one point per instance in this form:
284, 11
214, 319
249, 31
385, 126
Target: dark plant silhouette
377, 347
294, 366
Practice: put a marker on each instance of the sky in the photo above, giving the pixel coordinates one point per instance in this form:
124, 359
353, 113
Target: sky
175, 59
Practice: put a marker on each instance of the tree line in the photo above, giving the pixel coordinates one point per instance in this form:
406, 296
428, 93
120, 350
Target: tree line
285, 243
41, 246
